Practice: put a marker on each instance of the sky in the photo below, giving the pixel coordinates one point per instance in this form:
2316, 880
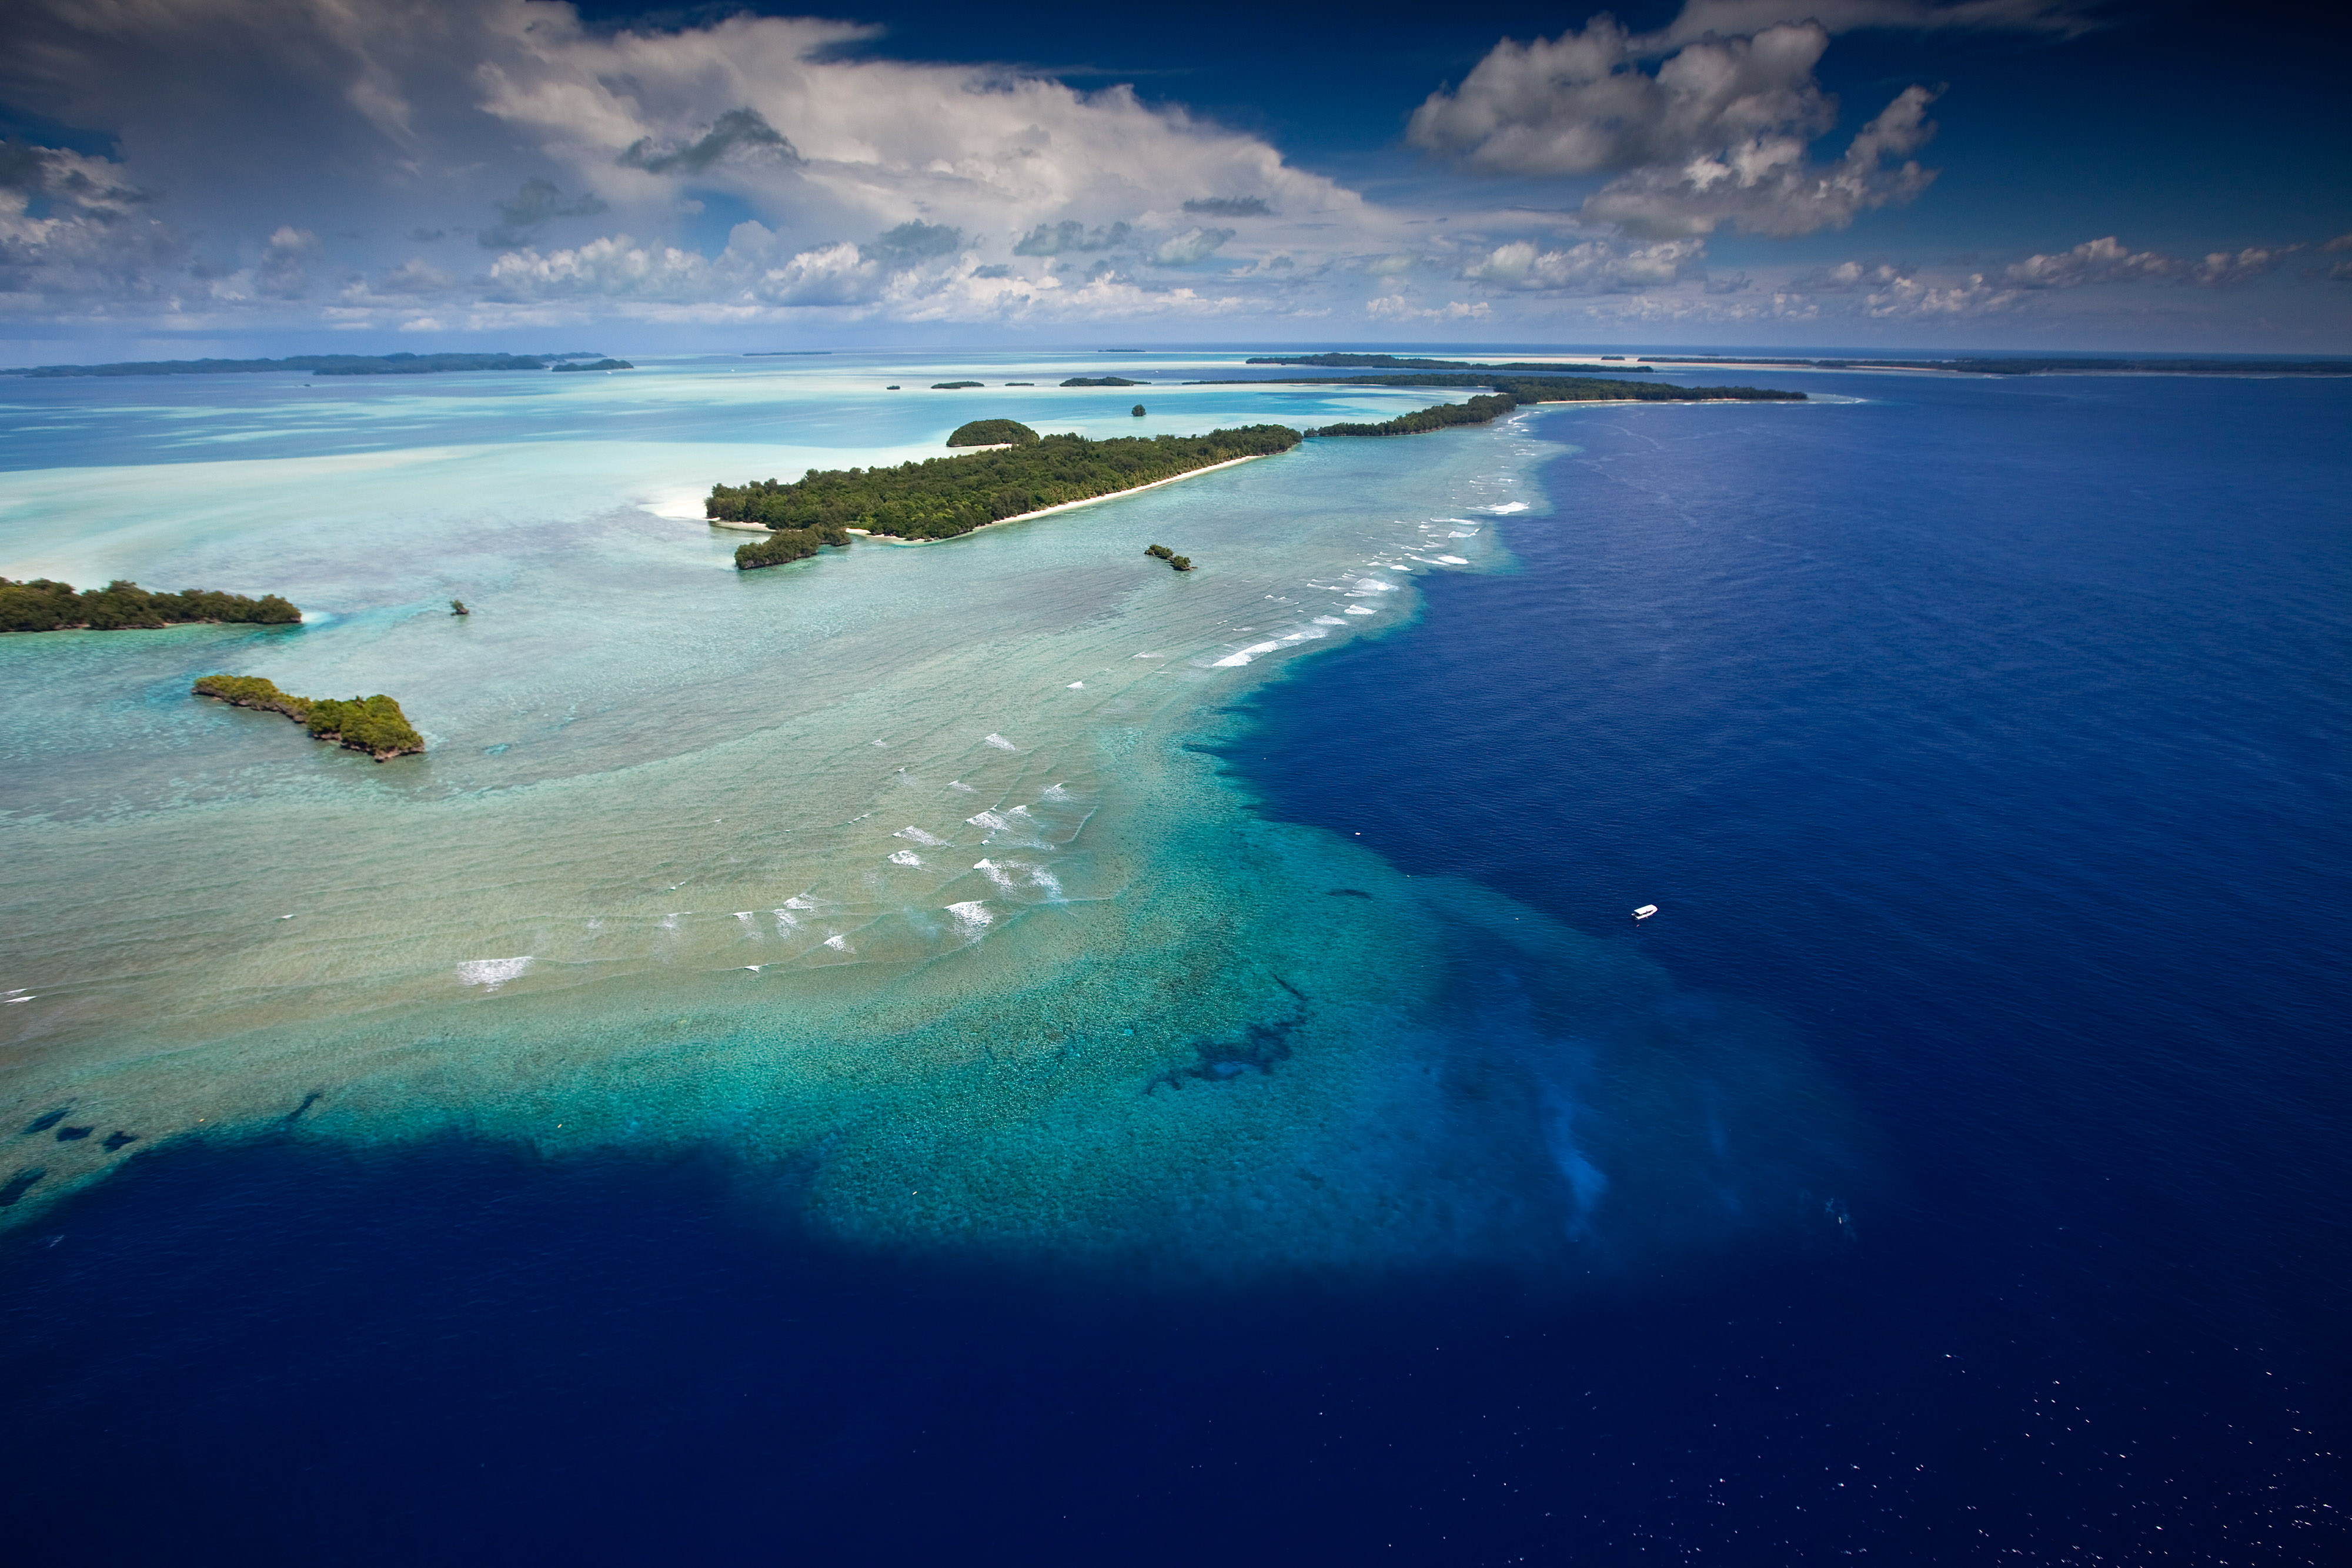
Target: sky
190, 177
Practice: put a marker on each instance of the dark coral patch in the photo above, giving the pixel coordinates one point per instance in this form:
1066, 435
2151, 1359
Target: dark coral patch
42, 1123
73, 1134
1261, 1046
1345, 892
18, 1184
117, 1139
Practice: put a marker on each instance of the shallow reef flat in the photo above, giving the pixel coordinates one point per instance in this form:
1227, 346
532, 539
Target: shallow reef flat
923, 897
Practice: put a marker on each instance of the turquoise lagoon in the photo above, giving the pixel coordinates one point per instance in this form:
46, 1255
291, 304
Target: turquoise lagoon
907, 876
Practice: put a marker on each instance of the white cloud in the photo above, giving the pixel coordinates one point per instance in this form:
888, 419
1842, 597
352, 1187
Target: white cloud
2094, 261
1593, 267
584, 156
1716, 135
1397, 307
2108, 260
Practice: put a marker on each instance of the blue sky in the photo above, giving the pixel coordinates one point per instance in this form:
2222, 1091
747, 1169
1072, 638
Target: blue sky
248, 176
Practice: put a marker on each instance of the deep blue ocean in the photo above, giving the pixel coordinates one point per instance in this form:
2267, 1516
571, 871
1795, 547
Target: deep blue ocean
1989, 734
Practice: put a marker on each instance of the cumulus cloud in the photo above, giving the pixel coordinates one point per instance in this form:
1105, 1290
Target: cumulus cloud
1397, 307
2094, 261
1192, 246
378, 122
90, 240
93, 185
2108, 260
739, 131
1717, 134
1595, 267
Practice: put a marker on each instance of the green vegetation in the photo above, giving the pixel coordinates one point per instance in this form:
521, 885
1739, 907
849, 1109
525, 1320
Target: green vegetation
1161, 552
1477, 411
1511, 392
314, 364
945, 496
597, 365
1390, 363
1137, 411
457, 607
1021, 384
1103, 381
373, 725
1542, 389
785, 546
42, 605
993, 432
955, 386
1180, 562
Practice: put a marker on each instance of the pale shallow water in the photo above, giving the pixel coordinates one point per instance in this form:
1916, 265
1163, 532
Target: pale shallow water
906, 870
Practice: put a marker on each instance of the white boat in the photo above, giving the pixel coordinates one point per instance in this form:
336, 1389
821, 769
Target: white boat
1646, 911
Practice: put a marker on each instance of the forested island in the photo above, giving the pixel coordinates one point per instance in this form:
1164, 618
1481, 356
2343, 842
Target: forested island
1511, 392
993, 432
45, 605
1103, 381
1477, 411
373, 725
2024, 365
596, 365
1539, 389
314, 364
941, 497
1390, 363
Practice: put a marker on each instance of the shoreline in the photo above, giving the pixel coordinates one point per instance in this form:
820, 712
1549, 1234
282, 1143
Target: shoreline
1022, 517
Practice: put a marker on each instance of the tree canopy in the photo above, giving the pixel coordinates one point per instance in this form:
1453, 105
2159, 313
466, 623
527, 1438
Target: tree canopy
45, 605
944, 497
373, 725
993, 432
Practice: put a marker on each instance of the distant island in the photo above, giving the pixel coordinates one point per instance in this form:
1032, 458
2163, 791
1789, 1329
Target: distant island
955, 386
596, 365
942, 498
311, 364
45, 605
1103, 381
373, 725
1477, 411
2023, 365
1390, 363
1534, 389
993, 432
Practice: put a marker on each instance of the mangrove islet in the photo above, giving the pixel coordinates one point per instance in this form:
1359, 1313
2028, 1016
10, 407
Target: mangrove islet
373, 725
